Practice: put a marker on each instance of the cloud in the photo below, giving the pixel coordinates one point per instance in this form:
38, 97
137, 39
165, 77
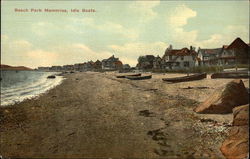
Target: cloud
177, 20
180, 15
22, 52
44, 28
22, 43
41, 58
80, 24
214, 41
234, 31
119, 29
77, 53
145, 9
225, 37
87, 53
129, 52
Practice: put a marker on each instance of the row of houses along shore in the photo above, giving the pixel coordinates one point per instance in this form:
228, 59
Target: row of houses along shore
112, 63
173, 59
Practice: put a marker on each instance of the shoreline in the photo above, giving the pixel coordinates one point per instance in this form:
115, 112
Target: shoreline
35, 94
94, 114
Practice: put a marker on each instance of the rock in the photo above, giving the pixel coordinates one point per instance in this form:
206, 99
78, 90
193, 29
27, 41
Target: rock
241, 115
236, 145
51, 76
224, 99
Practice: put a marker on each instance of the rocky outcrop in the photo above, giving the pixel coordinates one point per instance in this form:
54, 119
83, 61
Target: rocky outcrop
236, 145
224, 99
241, 115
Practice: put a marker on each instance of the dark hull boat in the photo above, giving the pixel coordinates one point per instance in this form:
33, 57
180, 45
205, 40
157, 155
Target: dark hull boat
230, 75
131, 75
139, 77
186, 78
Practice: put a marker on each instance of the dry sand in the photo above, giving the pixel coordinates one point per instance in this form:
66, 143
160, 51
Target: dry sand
97, 115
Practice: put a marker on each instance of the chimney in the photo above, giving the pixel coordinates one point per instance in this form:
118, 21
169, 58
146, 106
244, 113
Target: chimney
170, 47
191, 48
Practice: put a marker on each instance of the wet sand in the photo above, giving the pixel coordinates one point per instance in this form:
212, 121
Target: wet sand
97, 115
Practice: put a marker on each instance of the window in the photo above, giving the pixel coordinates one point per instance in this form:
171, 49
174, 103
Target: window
170, 57
182, 57
186, 64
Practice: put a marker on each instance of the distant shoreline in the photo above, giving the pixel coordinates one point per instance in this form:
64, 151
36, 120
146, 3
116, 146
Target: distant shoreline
14, 68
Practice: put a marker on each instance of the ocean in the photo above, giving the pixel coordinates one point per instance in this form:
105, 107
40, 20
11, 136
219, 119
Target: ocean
17, 86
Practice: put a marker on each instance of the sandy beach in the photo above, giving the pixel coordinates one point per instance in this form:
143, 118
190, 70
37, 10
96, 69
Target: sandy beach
95, 114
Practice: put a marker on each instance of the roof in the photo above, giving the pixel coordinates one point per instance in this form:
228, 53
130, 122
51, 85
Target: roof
181, 52
225, 46
98, 62
237, 44
112, 58
210, 51
118, 62
197, 58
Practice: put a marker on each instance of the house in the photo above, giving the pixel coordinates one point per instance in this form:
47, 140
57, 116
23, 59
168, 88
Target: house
157, 63
97, 65
56, 68
235, 53
208, 57
43, 68
111, 63
79, 66
145, 62
126, 67
68, 67
179, 58
88, 65
118, 65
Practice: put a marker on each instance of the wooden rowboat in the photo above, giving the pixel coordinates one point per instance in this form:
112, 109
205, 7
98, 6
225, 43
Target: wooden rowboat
194, 77
139, 77
230, 75
124, 76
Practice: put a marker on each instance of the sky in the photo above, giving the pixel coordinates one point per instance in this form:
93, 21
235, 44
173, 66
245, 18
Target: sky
126, 29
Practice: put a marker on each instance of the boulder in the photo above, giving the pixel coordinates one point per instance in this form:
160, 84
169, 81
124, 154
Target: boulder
241, 115
236, 145
224, 99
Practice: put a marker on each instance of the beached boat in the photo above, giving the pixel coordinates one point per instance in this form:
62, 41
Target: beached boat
51, 76
241, 74
139, 77
124, 76
194, 77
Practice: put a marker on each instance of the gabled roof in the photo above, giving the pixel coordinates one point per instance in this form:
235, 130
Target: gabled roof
210, 51
118, 62
181, 52
237, 44
197, 58
112, 58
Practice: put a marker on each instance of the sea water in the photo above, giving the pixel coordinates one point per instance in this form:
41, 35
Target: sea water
17, 86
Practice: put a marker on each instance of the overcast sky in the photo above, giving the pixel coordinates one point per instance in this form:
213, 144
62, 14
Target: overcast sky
126, 29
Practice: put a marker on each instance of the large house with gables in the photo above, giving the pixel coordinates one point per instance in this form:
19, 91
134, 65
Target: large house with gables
111, 63
208, 57
235, 53
179, 58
